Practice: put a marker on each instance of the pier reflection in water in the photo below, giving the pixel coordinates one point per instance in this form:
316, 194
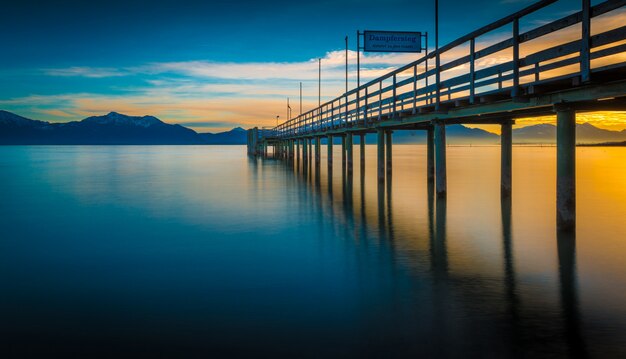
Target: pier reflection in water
453, 297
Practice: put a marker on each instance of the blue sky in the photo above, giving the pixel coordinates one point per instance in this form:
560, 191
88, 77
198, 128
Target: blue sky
211, 65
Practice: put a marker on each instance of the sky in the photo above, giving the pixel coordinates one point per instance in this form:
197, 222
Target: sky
214, 65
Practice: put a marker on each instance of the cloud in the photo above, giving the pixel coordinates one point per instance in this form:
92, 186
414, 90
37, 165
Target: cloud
211, 94
89, 72
333, 68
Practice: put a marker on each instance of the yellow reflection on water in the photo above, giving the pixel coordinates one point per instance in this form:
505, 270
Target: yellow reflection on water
475, 231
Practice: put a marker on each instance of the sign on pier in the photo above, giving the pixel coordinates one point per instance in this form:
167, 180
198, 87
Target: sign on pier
392, 41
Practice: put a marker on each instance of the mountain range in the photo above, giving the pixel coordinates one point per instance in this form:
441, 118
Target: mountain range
110, 129
119, 129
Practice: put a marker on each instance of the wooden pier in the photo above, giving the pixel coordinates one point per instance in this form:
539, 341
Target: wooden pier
419, 96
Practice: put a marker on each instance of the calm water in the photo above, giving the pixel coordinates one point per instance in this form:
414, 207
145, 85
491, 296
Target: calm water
200, 251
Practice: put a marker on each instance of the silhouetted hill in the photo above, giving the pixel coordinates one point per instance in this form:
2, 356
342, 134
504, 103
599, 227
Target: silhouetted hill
119, 129
455, 135
110, 129
236, 136
585, 133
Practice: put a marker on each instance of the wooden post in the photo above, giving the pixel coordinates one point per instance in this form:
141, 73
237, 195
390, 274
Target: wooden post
388, 143
305, 152
362, 152
506, 158
317, 151
255, 134
381, 155
297, 141
566, 168
440, 158
430, 154
329, 159
343, 153
248, 140
349, 153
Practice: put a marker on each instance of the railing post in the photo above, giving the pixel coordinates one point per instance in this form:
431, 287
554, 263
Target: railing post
345, 112
380, 100
585, 43
536, 72
393, 115
515, 91
472, 70
415, 89
357, 109
365, 108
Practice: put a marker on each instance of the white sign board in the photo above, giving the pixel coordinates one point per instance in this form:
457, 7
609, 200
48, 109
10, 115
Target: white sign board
392, 41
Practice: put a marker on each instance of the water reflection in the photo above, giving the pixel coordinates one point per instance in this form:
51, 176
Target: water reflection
517, 331
204, 248
566, 248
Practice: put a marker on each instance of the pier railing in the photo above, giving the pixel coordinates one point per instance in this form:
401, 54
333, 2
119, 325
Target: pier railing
419, 87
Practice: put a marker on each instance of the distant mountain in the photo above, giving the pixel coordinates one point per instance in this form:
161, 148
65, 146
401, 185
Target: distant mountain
455, 135
110, 129
119, 129
236, 136
585, 133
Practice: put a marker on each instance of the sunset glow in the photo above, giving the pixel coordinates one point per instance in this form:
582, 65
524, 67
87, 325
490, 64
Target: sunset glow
208, 91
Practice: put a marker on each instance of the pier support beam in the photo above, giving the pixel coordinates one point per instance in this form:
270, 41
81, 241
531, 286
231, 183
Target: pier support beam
506, 158
310, 151
441, 182
343, 153
565, 168
388, 144
381, 155
362, 152
349, 153
297, 143
305, 153
329, 158
430, 154
317, 150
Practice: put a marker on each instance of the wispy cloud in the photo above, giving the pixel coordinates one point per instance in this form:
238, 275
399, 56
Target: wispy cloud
89, 72
333, 67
